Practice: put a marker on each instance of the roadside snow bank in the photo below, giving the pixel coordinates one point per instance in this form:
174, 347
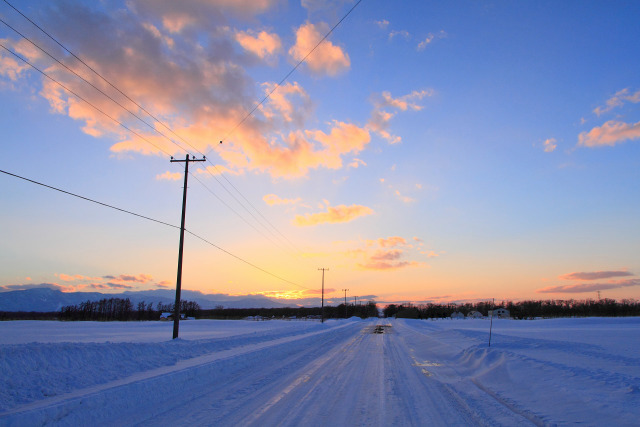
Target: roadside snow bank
34, 371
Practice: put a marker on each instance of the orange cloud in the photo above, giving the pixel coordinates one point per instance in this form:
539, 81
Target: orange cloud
392, 241
333, 215
327, 58
169, 176
610, 133
289, 102
272, 199
550, 145
262, 44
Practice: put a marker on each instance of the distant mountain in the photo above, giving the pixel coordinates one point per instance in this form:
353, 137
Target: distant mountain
47, 300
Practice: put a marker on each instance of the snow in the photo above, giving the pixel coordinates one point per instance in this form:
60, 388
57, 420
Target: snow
540, 372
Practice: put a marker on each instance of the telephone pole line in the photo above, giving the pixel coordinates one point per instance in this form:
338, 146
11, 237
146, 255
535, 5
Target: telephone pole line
345, 302
176, 309
323, 270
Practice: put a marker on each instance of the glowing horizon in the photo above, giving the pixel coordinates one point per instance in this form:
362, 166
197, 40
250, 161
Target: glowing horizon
422, 152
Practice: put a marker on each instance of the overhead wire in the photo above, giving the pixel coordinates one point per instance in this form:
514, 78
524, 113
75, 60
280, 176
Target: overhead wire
167, 127
82, 99
154, 220
143, 121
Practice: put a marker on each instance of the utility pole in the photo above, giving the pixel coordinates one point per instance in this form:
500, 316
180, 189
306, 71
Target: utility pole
493, 304
176, 309
355, 300
345, 302
323, 270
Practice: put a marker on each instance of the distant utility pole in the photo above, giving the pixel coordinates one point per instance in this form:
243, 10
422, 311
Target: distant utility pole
176, 310
599, 296
355, 300
493, 304
323, 270
345, 302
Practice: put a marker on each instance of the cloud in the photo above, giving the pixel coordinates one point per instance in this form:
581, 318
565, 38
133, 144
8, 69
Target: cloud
387, 255
589, 287
594, 275
380, 116
264, 45
550, 145
336, 214
187, 14
430, 38
382, 265
326, 59
169, 176
610, 133
356, 163
402, 33
75, 277
140, 278
289, 102
109, 286
272, 199
383, 23
209, 88
618, 100
390, 242
404, 199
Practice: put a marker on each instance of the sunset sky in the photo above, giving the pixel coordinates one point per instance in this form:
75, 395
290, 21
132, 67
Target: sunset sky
425, 151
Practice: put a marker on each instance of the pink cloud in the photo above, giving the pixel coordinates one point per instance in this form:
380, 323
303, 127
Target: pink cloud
610, 133
589, 287
262, 44
594, 275
618, 100
327, 59
388, 255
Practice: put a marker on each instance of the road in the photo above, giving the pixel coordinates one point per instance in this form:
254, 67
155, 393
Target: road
344, 374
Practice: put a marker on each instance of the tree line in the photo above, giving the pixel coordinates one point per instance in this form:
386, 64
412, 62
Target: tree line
122, 309
522, 309
330, 312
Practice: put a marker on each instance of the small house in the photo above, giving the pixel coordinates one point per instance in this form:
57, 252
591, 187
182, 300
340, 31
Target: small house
474, 315
500, 313
457, 315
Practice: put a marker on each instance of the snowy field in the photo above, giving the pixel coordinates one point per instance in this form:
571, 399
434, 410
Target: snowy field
238, 373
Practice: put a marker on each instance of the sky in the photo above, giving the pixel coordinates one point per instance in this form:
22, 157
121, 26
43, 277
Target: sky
423, 151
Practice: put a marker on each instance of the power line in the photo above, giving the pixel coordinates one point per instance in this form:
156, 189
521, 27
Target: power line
167, 127
289, 73
98, 74
94, 86
154, 220
81, 98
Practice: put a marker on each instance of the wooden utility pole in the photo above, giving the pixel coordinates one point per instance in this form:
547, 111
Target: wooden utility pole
176, 309
323, 270
345, 302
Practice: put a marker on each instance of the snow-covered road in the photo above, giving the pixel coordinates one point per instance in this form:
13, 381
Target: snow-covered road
339, 373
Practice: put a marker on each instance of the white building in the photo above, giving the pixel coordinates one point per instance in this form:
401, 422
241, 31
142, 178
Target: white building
457, 315
474, 315
500, 313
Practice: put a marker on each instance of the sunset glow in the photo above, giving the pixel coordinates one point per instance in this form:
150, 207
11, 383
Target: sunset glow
423, 152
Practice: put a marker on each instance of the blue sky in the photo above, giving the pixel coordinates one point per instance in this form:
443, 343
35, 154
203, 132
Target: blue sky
423, 152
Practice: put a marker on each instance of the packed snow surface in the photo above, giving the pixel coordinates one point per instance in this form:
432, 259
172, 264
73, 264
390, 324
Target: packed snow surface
346, 372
